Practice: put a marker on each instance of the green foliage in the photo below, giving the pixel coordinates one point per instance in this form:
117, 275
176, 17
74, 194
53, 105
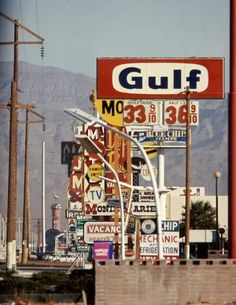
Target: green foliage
17, 285
202, 217
48, 282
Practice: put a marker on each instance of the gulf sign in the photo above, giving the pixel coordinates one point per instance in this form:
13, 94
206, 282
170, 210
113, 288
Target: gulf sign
162, 78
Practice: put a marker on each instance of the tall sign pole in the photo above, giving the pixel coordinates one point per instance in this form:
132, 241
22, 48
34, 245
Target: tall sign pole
232, 133
187, 177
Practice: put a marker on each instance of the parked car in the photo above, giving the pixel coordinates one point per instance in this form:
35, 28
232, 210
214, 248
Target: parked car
69, 258
33, 256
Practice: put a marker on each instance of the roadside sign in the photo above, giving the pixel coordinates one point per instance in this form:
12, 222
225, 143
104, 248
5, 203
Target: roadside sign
82, 248
114, 202
94, 171
175, 113
171, 138
150, 148
68, 150
145, 173
105, 231
129, 112
72, 214
102, 209
96, 194
149, 240
143, 196
111, 111
141, 112
144, 209
102, 250
131, 225
158, 78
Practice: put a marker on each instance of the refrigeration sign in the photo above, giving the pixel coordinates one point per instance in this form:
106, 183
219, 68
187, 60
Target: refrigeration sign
160, 77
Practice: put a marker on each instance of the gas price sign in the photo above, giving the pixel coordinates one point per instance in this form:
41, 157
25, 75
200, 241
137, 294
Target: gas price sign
175, 113
141, 112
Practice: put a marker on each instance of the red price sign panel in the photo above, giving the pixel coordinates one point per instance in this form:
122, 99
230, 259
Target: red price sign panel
175, 113
141, 112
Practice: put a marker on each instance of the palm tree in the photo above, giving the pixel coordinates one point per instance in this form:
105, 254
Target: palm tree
202, 216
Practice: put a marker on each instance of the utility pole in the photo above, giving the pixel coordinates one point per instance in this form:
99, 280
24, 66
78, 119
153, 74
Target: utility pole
12, 179
26, 205
39, 235
187, 177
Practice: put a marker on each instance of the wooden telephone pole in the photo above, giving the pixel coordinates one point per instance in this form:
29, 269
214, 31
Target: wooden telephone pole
26, 205
12, 179
187, 178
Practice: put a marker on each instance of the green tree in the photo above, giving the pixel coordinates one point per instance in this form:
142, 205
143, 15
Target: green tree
202, 216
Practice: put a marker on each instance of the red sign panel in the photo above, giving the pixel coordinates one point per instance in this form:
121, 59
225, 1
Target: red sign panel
162, 78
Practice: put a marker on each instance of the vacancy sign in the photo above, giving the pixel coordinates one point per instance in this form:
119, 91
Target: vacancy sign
162, 78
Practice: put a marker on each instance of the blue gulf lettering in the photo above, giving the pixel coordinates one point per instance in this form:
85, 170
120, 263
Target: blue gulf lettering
163, 84
137, 81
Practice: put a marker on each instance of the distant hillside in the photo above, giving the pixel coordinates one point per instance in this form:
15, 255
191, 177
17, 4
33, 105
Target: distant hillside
51, 90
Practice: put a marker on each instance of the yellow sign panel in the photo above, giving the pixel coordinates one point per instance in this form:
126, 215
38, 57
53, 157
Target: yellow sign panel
150, 149
111, 111
94, 171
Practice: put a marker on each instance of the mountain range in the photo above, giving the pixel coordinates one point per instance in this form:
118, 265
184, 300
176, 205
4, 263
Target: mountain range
50, 90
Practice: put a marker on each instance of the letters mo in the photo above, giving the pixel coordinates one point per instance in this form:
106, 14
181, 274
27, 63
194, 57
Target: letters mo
159, 78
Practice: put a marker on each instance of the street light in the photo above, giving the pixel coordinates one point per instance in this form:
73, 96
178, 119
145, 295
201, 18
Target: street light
83, 116
217, 176
92, 148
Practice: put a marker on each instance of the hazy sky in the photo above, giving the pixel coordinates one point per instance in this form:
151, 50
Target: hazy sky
76, 32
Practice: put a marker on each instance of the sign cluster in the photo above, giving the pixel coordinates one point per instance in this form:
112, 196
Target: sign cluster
144, 98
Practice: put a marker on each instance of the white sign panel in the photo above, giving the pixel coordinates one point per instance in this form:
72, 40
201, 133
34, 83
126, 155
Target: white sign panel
175, 113
146, 174
171, 138
147, 208
100, 231
141, 112
143, 196
96, 194
149, 241
144, 209
103, 209
149, 246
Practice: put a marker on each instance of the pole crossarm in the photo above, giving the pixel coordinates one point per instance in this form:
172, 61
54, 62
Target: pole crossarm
5, 106
19, 106
4, 43
42, 119
23, 27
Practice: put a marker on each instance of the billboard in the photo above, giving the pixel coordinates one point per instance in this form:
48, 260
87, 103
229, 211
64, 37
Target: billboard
162, 78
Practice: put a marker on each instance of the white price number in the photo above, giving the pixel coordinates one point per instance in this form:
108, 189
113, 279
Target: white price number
175, 113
